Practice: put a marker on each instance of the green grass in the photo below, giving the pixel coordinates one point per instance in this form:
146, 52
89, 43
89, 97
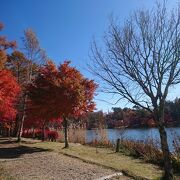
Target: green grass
105, 157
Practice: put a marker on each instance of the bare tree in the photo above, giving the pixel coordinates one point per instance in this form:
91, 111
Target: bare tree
141, 61
36, 57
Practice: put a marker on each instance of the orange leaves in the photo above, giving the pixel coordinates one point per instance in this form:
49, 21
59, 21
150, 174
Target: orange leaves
4, 45
9, 90
62, 91
3, 59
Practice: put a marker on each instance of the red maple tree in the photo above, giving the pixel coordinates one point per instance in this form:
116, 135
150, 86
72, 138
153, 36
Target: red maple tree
61, 92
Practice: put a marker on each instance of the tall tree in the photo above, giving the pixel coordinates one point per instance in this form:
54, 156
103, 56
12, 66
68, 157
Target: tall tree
36, 56
18, 65
140, 63
62, 93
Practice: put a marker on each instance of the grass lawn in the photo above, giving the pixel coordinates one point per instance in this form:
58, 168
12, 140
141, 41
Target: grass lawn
105, 157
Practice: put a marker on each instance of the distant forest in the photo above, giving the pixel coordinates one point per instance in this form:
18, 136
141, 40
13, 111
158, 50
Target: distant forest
134, 117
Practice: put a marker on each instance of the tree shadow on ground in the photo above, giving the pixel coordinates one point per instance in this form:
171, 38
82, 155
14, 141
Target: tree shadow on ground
3, 138
16, 152
10, 149
5, 141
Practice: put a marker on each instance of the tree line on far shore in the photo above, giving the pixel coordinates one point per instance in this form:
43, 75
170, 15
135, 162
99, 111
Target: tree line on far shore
135, 117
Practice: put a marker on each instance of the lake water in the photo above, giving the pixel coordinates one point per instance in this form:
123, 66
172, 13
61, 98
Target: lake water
136, 134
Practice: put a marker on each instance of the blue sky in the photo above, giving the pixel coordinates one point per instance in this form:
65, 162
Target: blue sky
66, 28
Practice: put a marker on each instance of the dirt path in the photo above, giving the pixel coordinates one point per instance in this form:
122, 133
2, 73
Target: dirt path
24, 163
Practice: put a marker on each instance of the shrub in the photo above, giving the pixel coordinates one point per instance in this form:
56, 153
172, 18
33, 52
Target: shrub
52, 135
147, 150
176, 145
176, 155
101, 143
27, 134
37, 133
176, 163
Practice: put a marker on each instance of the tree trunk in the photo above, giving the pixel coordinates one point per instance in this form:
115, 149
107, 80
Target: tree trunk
43, 133
66, 133
117, 145
33, 134
15, 132
9, 132
168, 171
21, 129
159, 117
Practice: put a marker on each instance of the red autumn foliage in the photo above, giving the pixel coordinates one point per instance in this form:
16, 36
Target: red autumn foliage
9, 90
52, 135
59, 92
37, 133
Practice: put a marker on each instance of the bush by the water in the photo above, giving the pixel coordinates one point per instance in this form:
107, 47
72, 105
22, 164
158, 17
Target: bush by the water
147, 150
101, 143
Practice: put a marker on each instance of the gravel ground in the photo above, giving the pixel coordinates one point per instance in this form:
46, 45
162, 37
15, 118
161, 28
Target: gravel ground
25, 164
